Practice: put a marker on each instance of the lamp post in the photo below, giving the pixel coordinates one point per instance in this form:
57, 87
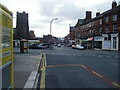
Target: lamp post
51, 24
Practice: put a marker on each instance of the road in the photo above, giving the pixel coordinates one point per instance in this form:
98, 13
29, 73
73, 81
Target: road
71, 68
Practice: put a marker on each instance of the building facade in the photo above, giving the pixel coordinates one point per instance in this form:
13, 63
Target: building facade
32, 35
111, 28
22, 26
102, 31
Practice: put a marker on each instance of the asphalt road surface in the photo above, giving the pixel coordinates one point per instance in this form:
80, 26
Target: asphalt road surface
71, 68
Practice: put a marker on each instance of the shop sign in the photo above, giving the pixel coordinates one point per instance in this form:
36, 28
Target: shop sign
114, 35
105, 35
84, 40
97, 38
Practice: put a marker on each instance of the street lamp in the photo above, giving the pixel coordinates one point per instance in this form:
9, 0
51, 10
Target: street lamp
51, 24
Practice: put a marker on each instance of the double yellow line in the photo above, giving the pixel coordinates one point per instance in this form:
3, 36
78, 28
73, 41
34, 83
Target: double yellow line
42, 82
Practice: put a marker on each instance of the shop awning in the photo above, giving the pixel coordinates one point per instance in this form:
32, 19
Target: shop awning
90, 39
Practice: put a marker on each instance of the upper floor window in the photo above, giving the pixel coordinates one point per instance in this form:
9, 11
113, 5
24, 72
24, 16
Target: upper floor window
106, 19
115, 17
106, 29
90, 32
100, 21
115, 27
100, 30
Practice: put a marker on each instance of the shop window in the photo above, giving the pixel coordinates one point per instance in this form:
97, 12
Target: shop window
114, 42
106, 38
109, 38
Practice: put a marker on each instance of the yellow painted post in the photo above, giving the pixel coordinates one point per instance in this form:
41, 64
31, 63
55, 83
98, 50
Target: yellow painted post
6, 48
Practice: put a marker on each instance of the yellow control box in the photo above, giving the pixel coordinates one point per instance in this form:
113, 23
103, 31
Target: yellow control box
6, 48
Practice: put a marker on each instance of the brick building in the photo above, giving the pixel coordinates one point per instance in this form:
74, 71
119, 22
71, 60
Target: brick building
32, 35
72, 34
102, 31
111, 28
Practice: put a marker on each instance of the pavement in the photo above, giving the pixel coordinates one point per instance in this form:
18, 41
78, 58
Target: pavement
24, 66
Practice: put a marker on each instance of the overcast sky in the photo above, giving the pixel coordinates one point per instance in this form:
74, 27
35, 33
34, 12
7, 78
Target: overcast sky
41, 12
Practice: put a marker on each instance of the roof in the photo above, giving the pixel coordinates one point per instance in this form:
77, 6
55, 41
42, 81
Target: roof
116, 9
72, 29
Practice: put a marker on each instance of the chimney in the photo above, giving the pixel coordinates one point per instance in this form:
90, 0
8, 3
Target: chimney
88, 15
114, 4
97, 14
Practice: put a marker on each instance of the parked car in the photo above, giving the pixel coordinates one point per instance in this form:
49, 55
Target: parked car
33, 46
42, 46
80, 47
73, 47
69, 45
59, 45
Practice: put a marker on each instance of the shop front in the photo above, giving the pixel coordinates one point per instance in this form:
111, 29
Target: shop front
110, 41
90, 43
106, 42
84, 42
114, 42
98, 42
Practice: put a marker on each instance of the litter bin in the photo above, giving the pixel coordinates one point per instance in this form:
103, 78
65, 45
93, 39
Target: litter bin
23, 46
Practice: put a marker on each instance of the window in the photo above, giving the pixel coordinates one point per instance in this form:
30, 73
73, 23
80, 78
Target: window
106, 38
109, 38
115, 17
106, 29
100, 30
106, 19
114, 42
100, 21
115, 27
93, 32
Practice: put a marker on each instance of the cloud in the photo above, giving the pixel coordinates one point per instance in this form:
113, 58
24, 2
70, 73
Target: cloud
63, 10
41, 12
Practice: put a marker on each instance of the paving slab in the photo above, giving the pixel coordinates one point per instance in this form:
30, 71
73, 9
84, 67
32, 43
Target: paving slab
24, 64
